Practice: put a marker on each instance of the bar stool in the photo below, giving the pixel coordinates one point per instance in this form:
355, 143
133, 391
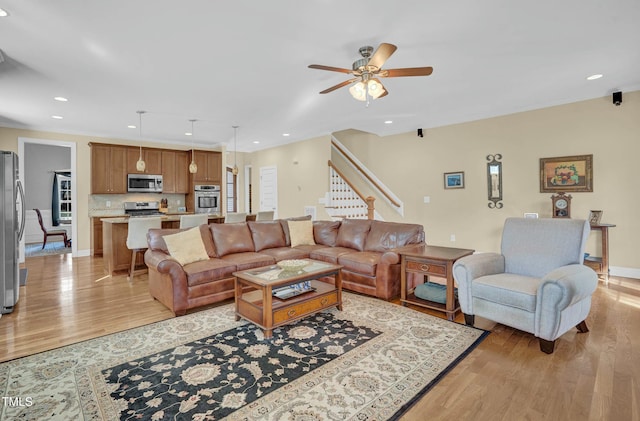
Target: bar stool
235, 217
265, 216
137, 238
195, 220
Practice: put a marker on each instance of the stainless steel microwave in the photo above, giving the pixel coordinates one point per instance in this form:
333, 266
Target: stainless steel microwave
144, 183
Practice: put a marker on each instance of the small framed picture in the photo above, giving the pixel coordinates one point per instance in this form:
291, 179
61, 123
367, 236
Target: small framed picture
454, 180
595, 216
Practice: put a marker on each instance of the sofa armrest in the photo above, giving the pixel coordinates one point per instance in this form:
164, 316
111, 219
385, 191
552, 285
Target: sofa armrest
468, 268
164, 263
560, 289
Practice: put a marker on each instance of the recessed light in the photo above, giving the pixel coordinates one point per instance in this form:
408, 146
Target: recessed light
594, 77
388, 122
188, 134
131, 126
286, 134
256, 141
3, 13
57, 117
60, 98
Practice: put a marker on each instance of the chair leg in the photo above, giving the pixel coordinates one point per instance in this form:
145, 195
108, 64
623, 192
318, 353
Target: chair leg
66, 241
44, 242
582, 327
547, 346
132, 269
469, 319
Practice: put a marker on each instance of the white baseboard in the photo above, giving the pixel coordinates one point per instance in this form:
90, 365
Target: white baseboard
83, 253
624, 272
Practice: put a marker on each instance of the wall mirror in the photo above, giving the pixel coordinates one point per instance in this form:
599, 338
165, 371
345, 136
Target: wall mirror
494, 181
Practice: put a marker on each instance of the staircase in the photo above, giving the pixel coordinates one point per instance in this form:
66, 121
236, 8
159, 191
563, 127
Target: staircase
344, 201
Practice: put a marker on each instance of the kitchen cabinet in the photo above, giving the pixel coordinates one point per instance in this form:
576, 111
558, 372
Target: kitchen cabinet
108, 169
151, 157
175, 170
209, 167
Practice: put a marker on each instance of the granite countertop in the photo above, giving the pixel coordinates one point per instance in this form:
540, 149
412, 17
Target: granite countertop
168, 217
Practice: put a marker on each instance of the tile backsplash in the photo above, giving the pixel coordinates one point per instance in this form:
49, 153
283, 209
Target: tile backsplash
113, 204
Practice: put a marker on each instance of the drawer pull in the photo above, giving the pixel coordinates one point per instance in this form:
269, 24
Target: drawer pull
424, 267
324, 301
291, 312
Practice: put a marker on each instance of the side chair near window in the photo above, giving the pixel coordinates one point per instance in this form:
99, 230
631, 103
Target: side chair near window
195, 220
51, 232
137, 238
537, 283
232, 217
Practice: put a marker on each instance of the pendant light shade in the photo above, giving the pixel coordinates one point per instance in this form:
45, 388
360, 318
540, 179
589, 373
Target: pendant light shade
235, 150
140, 165
193, 167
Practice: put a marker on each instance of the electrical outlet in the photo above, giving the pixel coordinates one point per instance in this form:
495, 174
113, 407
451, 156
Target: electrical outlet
427, 199
178, 201
108, 203
452, 238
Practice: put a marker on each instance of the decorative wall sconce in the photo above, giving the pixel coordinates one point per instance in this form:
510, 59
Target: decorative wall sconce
494, 181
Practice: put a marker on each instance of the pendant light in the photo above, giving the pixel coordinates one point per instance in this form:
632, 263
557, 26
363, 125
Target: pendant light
235, 150
193, 167
140, 165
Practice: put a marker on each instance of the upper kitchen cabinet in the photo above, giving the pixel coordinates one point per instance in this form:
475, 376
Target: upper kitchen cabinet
209, 167
175, 166
108, 169
151, 157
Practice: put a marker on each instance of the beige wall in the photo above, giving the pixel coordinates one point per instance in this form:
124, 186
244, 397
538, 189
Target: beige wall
413, 167
302, 175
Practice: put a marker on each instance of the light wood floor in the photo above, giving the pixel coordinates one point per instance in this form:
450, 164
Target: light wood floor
592, 376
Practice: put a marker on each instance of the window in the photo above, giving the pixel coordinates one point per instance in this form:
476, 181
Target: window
232, 191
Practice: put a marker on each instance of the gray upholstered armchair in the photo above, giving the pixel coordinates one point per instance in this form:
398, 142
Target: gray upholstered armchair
537, 284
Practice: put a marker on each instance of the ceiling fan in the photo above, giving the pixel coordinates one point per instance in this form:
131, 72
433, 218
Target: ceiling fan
368, 69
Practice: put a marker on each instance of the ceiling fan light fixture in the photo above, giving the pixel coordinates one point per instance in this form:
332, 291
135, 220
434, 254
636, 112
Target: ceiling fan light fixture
375, 88
358, 91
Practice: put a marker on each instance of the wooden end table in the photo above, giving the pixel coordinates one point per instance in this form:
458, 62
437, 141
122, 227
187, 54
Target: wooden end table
255, 302
430, 260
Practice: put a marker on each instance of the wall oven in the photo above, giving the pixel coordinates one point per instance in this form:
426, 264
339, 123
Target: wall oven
207, 198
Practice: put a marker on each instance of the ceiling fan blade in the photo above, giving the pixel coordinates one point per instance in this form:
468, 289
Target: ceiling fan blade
381, 55
339, 85
331, 69
409, 71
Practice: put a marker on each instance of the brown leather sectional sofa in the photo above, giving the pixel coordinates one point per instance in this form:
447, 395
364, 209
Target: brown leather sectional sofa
363, 247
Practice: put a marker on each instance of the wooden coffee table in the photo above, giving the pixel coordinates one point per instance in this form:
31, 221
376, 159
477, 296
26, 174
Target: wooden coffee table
255, 302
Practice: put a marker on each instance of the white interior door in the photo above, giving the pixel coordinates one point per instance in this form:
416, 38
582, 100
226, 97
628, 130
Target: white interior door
269, 189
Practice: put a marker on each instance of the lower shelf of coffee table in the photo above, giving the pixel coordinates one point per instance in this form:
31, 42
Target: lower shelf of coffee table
250, 305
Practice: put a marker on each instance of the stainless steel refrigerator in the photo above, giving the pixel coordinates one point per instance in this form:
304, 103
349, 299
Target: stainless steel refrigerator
12, 219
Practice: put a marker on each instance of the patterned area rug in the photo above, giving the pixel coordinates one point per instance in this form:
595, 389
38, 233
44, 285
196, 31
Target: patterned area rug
368, 362
53, 247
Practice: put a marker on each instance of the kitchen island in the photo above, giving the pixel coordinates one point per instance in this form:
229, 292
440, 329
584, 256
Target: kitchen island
116, 255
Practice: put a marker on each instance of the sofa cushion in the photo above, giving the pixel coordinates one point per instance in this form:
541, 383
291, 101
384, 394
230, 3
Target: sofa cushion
249, 260
266, 234
301, 233
384, 236
326, 232
365, 262
285, 226
206, 271
186, 246
286, 253
353, 233
231, 238
330, 254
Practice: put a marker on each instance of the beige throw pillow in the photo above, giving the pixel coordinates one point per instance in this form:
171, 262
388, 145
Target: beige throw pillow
301, 233
186, 246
